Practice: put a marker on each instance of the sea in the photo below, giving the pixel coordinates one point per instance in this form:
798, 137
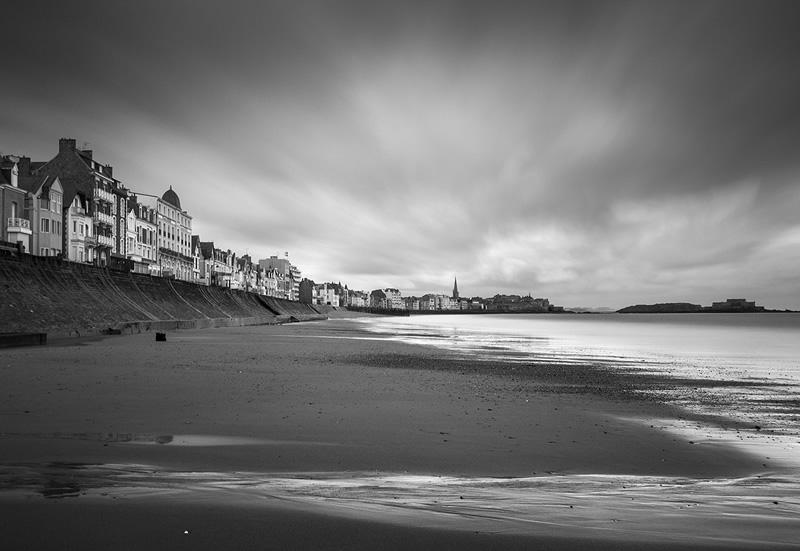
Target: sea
750, 361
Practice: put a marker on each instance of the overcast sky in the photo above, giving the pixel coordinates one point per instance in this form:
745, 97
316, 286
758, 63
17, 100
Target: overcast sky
596, 153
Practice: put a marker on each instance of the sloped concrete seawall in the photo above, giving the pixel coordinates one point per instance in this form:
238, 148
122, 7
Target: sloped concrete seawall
60, 298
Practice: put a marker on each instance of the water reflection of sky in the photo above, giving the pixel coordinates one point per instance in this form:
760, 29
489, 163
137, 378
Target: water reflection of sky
760, 353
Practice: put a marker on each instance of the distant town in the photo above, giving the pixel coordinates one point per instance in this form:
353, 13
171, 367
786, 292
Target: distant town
73, 208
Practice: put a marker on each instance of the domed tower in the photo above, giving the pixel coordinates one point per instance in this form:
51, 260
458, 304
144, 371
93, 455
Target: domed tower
172, 198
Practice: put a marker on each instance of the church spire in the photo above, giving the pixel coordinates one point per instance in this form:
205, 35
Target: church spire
455, 287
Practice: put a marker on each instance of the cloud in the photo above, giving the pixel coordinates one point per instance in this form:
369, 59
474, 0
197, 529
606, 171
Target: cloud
595, 153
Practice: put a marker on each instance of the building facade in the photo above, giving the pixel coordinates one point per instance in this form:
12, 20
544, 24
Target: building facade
287, 275
106, 200
174, 239
15, 227
142, 237
44, 208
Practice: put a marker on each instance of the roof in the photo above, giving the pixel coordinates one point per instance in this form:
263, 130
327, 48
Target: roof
207, 249
32, 184
172, 198
70, 191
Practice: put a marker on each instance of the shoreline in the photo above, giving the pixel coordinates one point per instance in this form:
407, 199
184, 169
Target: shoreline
356, 412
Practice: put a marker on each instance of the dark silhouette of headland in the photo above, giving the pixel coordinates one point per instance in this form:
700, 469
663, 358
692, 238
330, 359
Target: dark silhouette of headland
732, 305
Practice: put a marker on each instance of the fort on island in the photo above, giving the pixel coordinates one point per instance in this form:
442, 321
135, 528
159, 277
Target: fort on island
731, 305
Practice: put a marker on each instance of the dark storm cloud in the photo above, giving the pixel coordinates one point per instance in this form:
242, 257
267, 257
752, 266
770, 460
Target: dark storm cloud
595, 152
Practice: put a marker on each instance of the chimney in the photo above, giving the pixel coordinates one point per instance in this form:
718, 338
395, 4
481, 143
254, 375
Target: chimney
25, 166
66, 145
109, 171
87, 153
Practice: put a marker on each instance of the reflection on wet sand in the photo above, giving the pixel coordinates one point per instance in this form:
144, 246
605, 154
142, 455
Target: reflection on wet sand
739, 511
199, 440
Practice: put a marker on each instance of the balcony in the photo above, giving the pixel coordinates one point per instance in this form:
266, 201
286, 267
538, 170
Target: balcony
18, 224
82, 239
105, 241
103, 195
104, 218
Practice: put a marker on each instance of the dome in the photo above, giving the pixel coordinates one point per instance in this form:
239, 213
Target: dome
172, 198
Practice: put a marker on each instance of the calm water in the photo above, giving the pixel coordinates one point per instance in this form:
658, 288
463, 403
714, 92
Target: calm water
759, 353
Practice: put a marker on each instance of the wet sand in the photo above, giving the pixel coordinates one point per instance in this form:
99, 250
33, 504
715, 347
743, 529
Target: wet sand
318, 435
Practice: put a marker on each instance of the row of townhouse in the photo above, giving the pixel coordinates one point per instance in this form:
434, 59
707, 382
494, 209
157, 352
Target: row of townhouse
74, 208
332, 294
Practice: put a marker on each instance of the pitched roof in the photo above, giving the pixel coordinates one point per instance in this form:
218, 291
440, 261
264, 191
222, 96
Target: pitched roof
33, 184
207, 249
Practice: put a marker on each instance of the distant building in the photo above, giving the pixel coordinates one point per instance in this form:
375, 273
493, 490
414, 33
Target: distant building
393, 298
197, 256
327, 294
246, 275
735, 305
307, 291
217, 265
288, 276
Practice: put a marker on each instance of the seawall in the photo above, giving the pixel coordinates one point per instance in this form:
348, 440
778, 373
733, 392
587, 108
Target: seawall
61, 298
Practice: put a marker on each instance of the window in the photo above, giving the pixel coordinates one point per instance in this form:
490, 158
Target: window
45, 227
44, 203
75, 227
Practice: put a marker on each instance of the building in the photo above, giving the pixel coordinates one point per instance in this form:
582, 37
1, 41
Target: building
175, 255
44, 207
106, 200
288, 276
197, 257
142, 234
307, 292
736, 305
246, 275
15, 228
216, 265
327, 294
80, 241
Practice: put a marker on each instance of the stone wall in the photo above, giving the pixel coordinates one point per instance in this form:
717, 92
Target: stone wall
58, 297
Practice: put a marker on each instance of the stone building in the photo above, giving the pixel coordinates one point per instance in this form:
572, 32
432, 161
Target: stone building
105, 198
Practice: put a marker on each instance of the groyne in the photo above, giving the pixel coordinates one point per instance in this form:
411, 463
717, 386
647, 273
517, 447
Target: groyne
62, 298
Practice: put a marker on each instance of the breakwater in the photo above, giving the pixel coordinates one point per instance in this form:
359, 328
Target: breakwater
61, 298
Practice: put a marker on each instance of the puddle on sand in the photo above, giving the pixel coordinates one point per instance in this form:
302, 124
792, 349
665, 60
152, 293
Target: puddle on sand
199, 440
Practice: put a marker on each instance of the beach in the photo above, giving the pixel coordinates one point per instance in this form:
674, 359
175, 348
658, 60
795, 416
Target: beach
323, 435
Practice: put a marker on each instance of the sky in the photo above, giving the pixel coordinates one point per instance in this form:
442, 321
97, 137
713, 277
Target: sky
598, 153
